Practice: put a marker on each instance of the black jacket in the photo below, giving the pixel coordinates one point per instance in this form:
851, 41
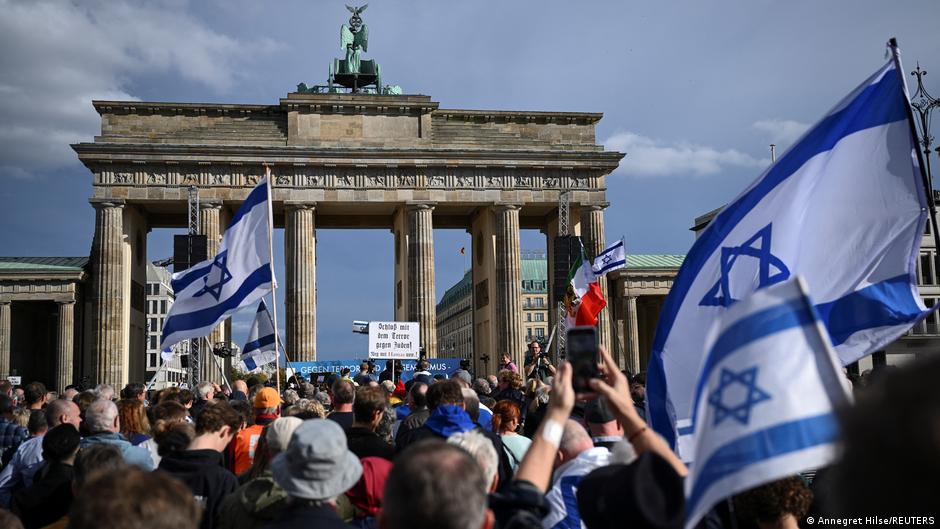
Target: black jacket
47, 499
366, 443
303, 516
203, 473
505, 466
412, 422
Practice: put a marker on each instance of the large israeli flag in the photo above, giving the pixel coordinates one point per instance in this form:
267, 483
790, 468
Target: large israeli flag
845, 208
238, 276
764, 399
261, 348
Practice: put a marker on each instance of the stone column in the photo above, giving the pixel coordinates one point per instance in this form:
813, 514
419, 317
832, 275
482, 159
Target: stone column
510, 333
421, 296
210, 226
5, 329
631, 324
107, 282
300, 300
65, 344
592, 233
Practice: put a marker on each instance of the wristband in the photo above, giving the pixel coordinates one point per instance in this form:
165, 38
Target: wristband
552, 432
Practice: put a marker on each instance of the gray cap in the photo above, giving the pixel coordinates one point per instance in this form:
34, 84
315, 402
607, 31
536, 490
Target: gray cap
317, 465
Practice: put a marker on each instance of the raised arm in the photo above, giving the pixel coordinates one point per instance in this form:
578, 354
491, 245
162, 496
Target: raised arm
617, 392
536, 466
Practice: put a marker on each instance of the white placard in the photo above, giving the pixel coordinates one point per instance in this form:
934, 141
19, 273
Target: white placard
15, 380
394, 339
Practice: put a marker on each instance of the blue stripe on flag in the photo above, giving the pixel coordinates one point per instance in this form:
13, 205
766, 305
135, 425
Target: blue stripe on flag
257, 196
877, 104
190, 275
889, 302
609, 266
760, 446
787, 315
259, 343
209, 315
250, 363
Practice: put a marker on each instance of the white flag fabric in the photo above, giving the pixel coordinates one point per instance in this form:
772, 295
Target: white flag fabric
238, 276
612, 258
167, 354
844, 208
764, 399
261, 348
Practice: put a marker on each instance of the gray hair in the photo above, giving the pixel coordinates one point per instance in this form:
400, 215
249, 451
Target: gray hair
481, 386
99, 417
388, 386
471, 403
574, 439
203, 389
104, 391
324, 398
481, 448
291, 397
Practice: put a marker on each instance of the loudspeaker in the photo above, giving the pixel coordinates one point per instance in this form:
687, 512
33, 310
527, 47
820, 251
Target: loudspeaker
567, 249
189, 250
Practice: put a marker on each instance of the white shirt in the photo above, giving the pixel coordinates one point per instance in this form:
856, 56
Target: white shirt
565, 488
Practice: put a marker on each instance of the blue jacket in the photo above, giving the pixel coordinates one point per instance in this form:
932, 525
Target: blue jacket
134, 455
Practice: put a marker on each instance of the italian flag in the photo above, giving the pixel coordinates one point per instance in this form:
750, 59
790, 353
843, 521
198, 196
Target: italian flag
584, 299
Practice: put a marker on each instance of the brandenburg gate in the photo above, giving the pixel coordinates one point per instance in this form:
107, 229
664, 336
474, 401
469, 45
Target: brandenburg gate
362, 158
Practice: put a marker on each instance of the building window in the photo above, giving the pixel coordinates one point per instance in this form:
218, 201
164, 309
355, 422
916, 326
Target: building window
539, 302
153, 341
540, 332
528, 316
539, 316
163, 306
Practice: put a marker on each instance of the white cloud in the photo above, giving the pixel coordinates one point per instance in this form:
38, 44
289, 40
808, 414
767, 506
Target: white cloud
58, 56
648, 157
782, 132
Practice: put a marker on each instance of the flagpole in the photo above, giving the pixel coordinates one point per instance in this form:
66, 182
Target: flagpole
277, 339
931, 204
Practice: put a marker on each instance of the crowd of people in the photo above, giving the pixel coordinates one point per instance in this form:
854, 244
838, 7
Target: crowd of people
518, 449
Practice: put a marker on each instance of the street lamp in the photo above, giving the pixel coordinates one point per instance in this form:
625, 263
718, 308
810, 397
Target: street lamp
924, 104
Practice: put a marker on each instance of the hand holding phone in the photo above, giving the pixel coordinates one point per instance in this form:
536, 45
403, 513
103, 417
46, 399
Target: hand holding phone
582, 353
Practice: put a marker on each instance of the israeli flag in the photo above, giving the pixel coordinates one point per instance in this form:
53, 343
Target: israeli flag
765, 397
844, 207
612, 258
261, 347
167, 354
238, 276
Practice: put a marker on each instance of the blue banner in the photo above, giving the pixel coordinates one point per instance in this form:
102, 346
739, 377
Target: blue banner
439, 366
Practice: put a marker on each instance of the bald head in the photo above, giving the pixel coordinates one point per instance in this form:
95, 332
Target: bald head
240, 385
574, 440
61, 411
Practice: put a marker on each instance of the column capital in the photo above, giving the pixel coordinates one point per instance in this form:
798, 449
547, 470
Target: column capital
210, 204
599, 206
299, 205
5, 301
101, 203
62, 302
507, 206
417, 206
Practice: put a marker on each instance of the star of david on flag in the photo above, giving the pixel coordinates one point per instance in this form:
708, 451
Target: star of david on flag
238, 276
771, 268
765, 397
217, 277
740, 409
844, 208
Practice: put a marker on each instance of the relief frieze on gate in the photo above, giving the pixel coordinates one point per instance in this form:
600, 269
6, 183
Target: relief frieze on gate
235, 175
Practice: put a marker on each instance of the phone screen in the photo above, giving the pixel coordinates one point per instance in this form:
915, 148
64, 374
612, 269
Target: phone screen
582, 353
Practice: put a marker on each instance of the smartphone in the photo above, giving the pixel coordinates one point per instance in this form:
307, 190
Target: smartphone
582, 352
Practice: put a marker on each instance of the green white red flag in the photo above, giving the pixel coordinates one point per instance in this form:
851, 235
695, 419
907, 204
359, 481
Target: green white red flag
584, 299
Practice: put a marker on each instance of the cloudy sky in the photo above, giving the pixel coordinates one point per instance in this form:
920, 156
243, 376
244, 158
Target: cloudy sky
693, 92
